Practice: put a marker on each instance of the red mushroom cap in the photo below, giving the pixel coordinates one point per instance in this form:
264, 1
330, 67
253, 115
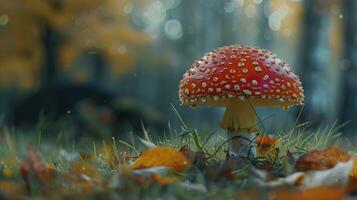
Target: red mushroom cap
240, 72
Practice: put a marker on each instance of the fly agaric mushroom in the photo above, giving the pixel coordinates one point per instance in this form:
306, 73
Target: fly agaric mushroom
240, 77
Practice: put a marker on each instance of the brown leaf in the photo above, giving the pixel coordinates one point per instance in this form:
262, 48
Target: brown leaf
35, 167
162, 157
318, 193
319, 160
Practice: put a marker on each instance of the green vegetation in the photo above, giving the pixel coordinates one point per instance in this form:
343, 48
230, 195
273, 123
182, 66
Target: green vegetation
91, 169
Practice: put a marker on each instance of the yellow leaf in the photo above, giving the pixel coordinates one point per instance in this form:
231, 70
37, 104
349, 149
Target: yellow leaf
162, 157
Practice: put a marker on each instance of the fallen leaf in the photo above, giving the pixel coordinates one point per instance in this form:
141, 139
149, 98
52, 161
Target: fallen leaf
162, 157
318, 193
319, 160
35, 167
338, 175
266, 146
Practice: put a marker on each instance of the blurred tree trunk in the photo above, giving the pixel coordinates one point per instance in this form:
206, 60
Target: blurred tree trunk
265, 35
228, 22
349, 84
50, 65
314, 62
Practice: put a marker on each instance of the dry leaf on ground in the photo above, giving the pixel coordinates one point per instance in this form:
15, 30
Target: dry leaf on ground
319, 160
318, 193
265, 145
162, 157
35, 167
337, 176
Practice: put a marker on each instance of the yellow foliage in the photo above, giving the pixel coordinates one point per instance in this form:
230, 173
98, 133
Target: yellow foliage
81, 26
162, 157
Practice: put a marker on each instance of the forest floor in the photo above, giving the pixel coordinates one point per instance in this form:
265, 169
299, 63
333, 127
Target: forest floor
297, 164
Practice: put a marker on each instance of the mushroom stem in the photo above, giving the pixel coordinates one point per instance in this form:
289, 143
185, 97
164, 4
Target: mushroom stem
241, 121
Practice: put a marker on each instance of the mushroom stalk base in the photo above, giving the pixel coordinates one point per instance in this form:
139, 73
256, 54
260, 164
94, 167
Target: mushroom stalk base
242, 143
240, 120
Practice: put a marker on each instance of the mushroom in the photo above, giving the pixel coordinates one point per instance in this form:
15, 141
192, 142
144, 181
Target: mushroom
239, 78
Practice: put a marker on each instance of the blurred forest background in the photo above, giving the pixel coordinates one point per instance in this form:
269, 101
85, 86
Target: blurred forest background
118, 62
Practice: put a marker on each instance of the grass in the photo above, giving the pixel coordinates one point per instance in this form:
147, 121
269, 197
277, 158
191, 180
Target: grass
104, 170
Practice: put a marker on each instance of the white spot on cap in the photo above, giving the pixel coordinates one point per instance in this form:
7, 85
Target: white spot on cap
240, 64
215, 79
204, 84
210, 90
227, 87
218, 89
232, 71
245, 70
186, 91
193, 85
243, 80
258, 69
265, 77
254, 82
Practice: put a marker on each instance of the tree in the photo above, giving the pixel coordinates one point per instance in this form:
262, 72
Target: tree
313, 62
349, 84
40, 38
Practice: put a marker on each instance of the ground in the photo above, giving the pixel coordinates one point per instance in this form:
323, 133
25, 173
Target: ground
183, 164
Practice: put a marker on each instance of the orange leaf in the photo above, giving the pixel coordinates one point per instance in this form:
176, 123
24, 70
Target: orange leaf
319, 160
265, 145
35, 167
162, 157
318, 193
